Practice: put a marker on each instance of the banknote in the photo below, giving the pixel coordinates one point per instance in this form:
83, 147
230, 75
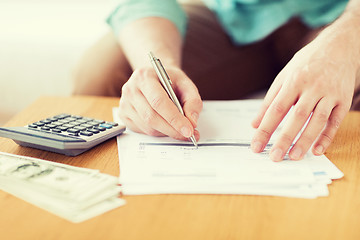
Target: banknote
73, 193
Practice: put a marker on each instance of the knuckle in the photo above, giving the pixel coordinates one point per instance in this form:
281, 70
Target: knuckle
286, 139
322, 117
300, 78
124, 107
264, 133
121, 106
126, 89
149, 117
306, 139
322, 85
301, 112
193, 104
279, 108
326, 138
197, 103
141, 74
173, 121
334, 122
156, 102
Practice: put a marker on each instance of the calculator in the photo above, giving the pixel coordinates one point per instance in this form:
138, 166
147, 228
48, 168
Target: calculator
64, 133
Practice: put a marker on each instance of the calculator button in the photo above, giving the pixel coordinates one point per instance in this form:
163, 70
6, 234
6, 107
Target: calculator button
86, 125
45, 128
93, 131
99, 121
105, 125
39, 124
113, 124
93, 123
62, 128
70, 119
80, 128
61, 116
74, 124
46, 121
46, 135
82, 121
32, 126
57, 123
100, 128
52, 119
76, 116
50, 125
73, 130
67, 125
56, 130
85, 133
88, 119
77, 122
63, 121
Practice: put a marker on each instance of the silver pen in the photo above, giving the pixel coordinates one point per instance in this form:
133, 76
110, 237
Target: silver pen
166, 83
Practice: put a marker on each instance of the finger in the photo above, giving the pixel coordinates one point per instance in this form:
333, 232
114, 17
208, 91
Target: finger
150, 121
131, 118
272, 118
190, 98
329, 132
196, 135
312, 130
161, 106
297, 119
268, 99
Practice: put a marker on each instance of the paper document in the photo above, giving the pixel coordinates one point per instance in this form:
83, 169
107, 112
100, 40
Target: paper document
223, 163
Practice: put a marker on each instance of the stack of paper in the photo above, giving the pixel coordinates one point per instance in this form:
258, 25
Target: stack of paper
73, 193
223, 163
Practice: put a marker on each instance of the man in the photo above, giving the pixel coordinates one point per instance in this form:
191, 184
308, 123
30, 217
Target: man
308, 51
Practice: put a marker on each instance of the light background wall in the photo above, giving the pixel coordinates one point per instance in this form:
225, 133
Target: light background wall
40, 42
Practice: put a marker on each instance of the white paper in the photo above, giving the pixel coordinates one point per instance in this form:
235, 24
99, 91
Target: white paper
223, 163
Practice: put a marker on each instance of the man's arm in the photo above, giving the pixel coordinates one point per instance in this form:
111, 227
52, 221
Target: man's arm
145, 106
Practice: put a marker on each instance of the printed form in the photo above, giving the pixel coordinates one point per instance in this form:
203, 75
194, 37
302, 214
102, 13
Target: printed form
223, 163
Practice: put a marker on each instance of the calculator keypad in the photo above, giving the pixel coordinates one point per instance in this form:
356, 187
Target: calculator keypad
72, 125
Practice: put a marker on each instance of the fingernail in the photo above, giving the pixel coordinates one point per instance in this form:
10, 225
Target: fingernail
195, 117
276, 155
185, 131
319, 149
296, 153
257, 146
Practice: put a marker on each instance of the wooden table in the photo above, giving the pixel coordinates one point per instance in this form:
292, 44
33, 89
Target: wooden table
186, 216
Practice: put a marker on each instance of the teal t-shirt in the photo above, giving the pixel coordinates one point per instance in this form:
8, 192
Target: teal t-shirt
245, 21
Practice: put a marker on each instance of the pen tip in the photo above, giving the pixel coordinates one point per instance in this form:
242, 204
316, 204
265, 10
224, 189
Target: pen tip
192, 138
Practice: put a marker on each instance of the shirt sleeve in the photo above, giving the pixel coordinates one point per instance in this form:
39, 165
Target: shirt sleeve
127, 11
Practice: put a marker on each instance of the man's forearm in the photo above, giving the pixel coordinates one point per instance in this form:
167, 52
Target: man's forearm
342, 36
348, 24
151, 34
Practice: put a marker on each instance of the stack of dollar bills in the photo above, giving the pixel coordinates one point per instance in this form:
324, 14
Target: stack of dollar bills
73, 193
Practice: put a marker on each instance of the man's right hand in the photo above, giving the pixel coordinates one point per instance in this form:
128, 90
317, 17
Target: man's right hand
145, 107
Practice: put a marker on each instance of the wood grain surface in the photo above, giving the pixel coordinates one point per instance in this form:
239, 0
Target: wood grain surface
186, 216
